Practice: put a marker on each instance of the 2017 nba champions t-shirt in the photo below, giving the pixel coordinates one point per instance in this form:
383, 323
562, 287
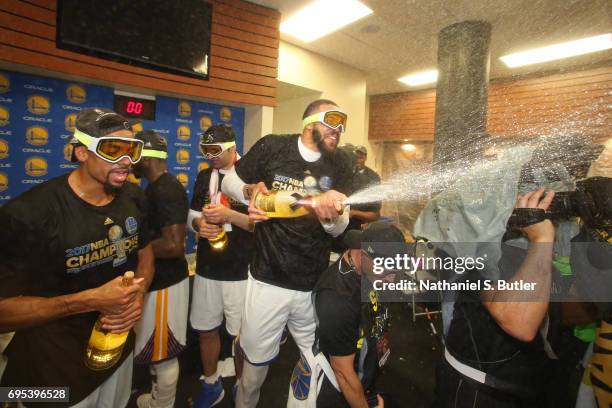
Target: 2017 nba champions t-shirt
53, 243
291, 252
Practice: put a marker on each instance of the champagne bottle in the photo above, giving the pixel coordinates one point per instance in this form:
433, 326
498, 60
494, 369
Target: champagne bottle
283, 204
105, 348
219, 243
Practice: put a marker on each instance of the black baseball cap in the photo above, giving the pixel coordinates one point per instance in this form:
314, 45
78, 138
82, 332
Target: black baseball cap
154, 144
376, 232
361, 149
99, 122
220, 133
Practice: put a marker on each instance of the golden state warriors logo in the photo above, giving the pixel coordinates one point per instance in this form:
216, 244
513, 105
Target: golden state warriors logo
36, 167
68, 148
132, 179
4, 149
76, 93
182, 156
183, 178
184, 109
38, 105
203, 166
5, 84
37, 136
226, 114
4, 116
70, 122
137, 127
3, 182
205, 123
183, 133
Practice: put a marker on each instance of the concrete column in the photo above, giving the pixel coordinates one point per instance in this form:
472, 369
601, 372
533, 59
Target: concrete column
258, 123
462, 90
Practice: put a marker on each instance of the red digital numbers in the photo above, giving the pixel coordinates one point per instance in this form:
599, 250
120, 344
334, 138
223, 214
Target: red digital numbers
134, 108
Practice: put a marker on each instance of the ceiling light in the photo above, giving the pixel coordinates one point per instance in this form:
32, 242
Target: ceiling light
558, 51
408, 147
323, 17
420, 78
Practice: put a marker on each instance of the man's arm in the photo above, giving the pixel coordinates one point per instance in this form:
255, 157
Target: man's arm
522, 319
365, 216
21, 312
171, 244
219, 214
349, 382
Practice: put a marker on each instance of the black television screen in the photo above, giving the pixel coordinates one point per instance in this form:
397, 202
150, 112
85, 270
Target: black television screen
167, 35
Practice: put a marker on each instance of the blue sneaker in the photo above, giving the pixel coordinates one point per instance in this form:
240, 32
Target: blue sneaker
210, 395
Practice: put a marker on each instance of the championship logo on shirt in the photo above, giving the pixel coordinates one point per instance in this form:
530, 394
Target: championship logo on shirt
37, 136
5, 84
226, 114
4, 116
131, 225
182, 156
3, 182
68, 149
137, 127
4, 149
70, 122
114, 234
38, 104
36, 167
183, 178
203, 166
205, 123
183, 133
184, 109
76, 93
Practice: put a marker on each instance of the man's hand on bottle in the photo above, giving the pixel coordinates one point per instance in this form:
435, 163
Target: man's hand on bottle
543, 231
216, 214
208, 230
123, 305
328, 206
124, 321
255, 214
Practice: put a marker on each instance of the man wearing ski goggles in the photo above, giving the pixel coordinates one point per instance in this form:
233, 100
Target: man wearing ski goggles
111, 148
333, 119
213, 150
103, 142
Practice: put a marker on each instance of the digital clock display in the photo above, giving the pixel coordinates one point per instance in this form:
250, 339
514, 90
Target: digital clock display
131, 107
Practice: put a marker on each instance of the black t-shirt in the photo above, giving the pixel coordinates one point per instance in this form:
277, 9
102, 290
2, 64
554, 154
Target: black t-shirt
168, 205
475, 338
342, 321
231, 264
53, 243
290, 252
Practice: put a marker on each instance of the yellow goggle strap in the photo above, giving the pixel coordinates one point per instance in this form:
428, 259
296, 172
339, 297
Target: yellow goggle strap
154, 153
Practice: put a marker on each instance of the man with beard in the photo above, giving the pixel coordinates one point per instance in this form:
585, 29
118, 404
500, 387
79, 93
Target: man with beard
65, 245
289, 254
161, 334
220, 282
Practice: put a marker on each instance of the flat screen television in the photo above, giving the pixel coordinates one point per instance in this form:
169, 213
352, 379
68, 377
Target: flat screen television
166, 35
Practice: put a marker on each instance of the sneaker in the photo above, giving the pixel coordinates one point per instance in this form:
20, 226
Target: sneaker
285, 335
210, 395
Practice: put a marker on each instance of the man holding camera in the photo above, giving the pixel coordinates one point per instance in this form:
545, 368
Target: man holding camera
494, 356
